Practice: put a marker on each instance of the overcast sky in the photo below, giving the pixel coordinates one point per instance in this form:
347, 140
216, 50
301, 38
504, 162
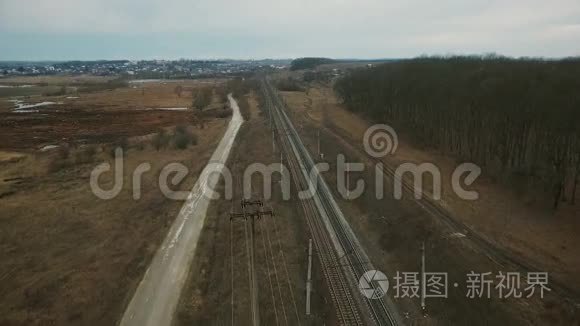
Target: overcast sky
146, 29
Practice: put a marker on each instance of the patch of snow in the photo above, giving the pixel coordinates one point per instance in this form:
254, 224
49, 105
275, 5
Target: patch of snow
26, 111
72, 97
142, 81
172, 109
456, 235
48, 148
15, 86
20, 105
166, 109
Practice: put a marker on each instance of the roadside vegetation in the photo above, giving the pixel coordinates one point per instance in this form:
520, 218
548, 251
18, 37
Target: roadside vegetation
289, 84
240, 89
183, 137
518, 118
241, 86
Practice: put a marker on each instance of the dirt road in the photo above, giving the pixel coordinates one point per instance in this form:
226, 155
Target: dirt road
158, 293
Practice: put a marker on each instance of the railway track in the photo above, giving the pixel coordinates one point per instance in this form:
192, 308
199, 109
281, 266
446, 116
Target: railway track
342, 258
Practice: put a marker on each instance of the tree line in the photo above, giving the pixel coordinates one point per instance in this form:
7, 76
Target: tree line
518, 118
309, 63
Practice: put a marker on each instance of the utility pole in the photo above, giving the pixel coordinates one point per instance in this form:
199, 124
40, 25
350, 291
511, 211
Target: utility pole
269, 105
252, 210
270, 113
319, 143
273, 142
423, 278
347, 183
309, 278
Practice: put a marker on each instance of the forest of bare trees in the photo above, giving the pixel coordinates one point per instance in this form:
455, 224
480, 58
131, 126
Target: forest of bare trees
517, 118
309, 63
240, 86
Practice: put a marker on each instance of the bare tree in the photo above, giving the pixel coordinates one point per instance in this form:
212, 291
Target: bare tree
202, 98
178, 90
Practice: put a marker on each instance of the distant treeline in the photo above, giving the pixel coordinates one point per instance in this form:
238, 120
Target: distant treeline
90, 63
112, 84
308, 63
241, 86
312, 62
289, 85
520, 118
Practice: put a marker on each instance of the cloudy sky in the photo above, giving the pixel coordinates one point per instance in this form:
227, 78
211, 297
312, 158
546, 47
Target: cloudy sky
146, 29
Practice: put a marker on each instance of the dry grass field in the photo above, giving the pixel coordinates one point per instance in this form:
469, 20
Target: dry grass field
96, 117
68, 257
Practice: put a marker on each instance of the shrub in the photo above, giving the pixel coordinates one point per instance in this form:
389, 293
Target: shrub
289, 85
63, 151
86, 154
240, 86
181, 129
202, 98
160, 140
182, 137
181, 141
223, 113
140, 146
60, 92
194, 139
120, 143
56, 164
